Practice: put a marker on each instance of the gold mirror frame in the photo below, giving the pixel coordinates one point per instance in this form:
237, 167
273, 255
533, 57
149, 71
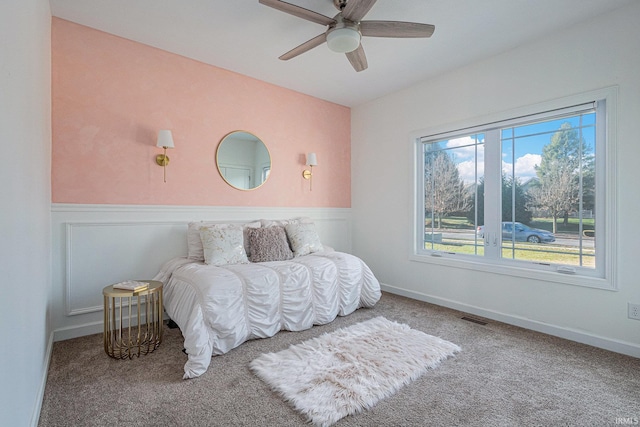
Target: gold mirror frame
243, 160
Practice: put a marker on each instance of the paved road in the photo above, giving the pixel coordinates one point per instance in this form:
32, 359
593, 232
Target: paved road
561, 240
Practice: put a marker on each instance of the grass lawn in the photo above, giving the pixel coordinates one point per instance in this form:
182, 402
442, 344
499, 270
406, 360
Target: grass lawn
541, 253
573, 226
523, 251
452, 223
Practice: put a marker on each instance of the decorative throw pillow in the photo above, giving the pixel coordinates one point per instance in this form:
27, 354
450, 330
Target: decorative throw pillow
194, 242
284, 222
303, 238
269, 244
223, 245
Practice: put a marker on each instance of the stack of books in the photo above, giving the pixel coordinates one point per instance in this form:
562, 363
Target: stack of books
131, 285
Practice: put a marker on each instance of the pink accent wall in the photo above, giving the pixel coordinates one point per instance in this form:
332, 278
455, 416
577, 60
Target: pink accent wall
112, 95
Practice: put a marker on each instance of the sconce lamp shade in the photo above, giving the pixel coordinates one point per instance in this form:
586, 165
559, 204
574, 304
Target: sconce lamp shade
312, 160
165, 139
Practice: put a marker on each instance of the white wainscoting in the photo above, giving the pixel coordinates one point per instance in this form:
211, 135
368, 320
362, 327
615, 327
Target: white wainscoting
97, 245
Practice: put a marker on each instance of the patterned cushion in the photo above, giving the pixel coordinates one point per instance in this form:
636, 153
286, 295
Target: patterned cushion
194, 242
284, 222
303, 238
269, 244
223, 244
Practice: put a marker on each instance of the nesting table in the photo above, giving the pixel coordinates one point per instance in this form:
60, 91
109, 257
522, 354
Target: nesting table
132, 320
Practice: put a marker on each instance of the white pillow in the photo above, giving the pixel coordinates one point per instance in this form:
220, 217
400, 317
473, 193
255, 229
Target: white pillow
194, 243
303, 238
223, 244
284, 222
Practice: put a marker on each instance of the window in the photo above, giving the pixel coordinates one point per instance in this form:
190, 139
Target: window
527, 194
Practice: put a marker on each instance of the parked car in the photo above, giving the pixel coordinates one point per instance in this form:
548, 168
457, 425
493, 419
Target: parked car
524, 233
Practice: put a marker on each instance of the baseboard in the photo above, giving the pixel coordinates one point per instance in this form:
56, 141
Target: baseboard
70, 332
90, 328
35, 418
616, 346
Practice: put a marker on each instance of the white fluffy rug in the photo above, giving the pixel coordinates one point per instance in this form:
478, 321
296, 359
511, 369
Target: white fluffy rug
349, 370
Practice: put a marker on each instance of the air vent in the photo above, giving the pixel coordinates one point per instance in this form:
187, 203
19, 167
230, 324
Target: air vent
471, 319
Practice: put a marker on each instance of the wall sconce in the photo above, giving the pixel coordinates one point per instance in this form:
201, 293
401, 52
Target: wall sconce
165, 140
312, 161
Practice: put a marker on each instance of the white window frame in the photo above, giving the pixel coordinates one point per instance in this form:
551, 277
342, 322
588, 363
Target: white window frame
605, 189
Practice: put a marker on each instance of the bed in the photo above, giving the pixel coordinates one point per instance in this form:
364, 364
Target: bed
236, 285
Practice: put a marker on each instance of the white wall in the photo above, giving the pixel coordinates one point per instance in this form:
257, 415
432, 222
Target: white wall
590, 56
97, 245
25, 197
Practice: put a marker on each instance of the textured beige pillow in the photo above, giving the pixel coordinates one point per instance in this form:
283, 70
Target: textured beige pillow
269, 244
303, 238
223, 245
284, 222
194, 242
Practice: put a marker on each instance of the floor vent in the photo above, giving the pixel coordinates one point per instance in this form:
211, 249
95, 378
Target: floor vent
471, 319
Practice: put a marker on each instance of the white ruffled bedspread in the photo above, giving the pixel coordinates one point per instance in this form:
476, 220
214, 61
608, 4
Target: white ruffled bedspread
219, 308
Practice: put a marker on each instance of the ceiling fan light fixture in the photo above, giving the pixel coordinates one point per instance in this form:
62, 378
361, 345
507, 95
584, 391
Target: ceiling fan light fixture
346, 28
343, 40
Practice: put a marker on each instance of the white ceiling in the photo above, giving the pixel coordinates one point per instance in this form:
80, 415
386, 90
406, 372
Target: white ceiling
247, 37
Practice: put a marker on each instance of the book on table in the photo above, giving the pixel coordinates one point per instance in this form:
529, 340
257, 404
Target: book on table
131, 285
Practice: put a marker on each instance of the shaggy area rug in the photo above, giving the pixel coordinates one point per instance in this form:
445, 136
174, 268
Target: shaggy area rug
350, 370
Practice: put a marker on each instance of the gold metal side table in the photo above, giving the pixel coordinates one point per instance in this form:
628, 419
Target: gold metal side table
131, 331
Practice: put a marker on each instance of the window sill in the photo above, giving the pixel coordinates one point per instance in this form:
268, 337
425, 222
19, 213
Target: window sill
516, 271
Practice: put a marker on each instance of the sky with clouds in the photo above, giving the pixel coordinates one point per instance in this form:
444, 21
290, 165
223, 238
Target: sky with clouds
463, 151
521, 146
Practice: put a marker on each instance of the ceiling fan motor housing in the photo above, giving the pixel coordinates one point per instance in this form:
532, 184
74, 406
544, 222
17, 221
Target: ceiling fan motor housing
339, 4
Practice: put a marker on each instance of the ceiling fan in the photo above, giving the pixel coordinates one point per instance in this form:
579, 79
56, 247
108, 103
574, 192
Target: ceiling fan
346, 29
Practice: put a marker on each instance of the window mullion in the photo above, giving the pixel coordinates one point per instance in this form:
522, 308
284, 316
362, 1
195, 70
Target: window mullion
493, 194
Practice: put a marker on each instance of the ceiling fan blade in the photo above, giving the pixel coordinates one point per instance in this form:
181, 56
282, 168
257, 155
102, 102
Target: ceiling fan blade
298, 11
304, 47
396, 29
356, 9
358, 59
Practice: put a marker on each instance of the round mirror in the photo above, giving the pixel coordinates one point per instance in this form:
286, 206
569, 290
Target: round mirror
243, 160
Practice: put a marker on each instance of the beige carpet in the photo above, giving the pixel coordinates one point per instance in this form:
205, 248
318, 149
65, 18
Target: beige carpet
505, 376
